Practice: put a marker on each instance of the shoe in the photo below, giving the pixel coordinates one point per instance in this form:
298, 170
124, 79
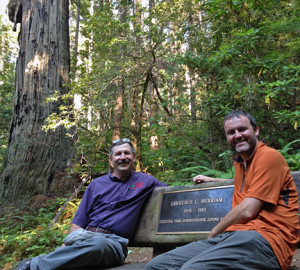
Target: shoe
24, 265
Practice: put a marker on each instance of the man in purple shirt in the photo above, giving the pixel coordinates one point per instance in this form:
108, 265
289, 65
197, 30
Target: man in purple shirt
106, 218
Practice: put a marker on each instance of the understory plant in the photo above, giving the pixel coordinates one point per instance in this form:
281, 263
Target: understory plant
28, 233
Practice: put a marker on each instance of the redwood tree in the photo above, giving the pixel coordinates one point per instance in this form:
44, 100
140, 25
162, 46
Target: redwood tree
36, 160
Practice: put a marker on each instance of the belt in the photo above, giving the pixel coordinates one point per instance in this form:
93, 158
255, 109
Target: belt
98, 229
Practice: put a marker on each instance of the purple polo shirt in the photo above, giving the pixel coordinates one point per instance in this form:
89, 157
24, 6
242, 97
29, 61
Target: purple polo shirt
115, 205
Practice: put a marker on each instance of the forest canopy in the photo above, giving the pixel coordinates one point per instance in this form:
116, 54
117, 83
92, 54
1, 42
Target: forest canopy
165, 73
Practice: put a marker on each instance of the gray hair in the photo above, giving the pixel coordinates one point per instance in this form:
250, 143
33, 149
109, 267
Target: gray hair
121, 142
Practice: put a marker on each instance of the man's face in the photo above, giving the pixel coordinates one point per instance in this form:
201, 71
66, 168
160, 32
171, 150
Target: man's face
122, 159
241, 136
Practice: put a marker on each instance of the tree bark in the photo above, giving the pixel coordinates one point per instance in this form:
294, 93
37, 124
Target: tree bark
119, 108
137, 98
76, 40
36, 160
118, 112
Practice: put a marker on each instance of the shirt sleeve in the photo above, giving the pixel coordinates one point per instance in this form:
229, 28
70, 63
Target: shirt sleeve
157, 183
81, 215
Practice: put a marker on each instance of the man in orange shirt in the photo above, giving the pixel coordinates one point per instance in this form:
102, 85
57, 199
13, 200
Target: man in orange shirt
262, 229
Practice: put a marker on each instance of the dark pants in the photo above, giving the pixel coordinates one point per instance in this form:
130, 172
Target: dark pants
231, 250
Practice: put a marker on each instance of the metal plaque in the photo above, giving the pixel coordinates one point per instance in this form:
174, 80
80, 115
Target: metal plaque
195, 210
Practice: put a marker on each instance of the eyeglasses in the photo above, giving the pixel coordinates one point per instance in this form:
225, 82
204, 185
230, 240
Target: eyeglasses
125, 140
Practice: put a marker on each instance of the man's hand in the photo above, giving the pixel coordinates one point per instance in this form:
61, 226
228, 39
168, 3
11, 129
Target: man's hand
73, 227
202, 179
212, 234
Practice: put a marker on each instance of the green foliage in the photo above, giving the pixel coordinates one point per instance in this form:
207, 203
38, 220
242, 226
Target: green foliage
179, 68
209, 172
225, 164
292, 154
26, 233
7, 66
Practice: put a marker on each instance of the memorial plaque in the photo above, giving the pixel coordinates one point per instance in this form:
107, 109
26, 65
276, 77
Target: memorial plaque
195, 210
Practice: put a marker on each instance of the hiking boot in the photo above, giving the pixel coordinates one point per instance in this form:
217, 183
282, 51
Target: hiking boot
24, 265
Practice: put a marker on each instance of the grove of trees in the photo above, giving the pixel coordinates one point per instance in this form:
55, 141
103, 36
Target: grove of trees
164, 74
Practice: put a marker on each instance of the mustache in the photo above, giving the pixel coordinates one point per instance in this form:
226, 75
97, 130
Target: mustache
240, 140
123, 162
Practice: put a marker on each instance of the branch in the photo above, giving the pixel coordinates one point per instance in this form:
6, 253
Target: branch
171, 116
74, 195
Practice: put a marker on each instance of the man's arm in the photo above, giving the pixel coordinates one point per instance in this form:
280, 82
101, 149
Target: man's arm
198, 179
245, 211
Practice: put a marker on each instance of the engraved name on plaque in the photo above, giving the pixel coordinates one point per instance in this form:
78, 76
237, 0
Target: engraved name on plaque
193, 211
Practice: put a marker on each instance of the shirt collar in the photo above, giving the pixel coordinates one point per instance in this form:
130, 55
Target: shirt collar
116, 179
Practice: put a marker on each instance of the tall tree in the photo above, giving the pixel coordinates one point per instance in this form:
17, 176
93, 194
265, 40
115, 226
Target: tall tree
119, 108
36, 160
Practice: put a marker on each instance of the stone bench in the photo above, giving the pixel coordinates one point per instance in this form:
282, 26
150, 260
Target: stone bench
164, 234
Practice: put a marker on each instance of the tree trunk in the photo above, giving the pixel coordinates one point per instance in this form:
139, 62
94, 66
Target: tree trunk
119, 108
76, 40
118, 112
192, 91
137, 100
36, 160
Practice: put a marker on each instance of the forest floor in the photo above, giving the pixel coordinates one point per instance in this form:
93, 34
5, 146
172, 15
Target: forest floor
137, 254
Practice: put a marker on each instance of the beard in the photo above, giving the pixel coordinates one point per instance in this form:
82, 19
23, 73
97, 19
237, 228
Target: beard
245, 146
